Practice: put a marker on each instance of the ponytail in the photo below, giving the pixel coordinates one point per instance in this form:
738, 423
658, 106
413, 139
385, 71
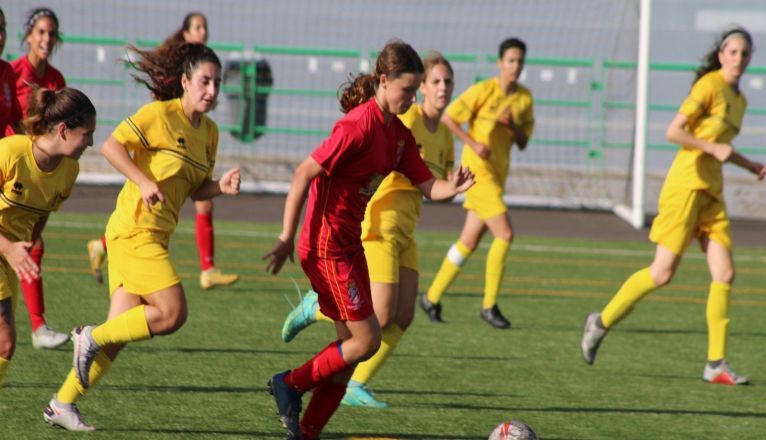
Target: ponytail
358, 91
48, 108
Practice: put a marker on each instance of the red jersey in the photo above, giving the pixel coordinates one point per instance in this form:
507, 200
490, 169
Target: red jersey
25, 74
10, 111
359, 153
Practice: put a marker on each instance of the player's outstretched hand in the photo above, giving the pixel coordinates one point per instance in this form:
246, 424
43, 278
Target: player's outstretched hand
17, 255
229, 182
282, 250
462, 179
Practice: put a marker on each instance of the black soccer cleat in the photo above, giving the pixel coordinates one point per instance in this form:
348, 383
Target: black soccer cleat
434, 311
494, 317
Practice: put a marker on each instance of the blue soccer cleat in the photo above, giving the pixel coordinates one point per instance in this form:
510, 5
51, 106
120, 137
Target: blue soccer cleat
302, 316
288, 404
359, 396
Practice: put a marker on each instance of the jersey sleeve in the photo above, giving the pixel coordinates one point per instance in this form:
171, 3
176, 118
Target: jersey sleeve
466, 105
412, 165
698, 102
343, 142
132, 130
213, 153
528, 119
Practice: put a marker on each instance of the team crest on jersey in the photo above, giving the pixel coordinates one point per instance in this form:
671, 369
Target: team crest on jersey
181, 143
369, 189
18, 188
399, 152
354, 299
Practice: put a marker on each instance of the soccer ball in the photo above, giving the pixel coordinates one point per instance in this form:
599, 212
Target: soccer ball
513, 430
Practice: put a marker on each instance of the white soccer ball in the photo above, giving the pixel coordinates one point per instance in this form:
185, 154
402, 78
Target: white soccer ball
513, 430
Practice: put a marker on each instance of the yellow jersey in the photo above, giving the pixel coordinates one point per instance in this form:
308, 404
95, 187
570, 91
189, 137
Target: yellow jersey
172, 153
395, 206
714, 112
28, 193
481, 106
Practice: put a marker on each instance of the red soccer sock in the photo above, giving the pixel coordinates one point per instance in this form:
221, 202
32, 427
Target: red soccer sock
203, 229
320, 368
103, 242
324, 402
33, 292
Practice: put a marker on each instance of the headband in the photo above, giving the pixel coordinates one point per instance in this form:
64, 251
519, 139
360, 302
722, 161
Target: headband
38, 14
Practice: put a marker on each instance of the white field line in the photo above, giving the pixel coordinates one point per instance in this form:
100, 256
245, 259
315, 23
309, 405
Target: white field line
445, 244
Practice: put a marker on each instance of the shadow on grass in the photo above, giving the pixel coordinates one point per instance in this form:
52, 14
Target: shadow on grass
249, 434
443, 393
682, 412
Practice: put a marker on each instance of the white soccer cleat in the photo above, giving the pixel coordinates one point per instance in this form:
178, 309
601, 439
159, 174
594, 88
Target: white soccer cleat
46, 337
592, 336
722, 374
85, 351
65, 416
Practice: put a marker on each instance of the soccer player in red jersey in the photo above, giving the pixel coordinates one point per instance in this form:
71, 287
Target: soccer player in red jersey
10, 110
41, 35
343, 173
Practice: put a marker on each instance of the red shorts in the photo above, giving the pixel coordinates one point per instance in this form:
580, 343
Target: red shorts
343, 285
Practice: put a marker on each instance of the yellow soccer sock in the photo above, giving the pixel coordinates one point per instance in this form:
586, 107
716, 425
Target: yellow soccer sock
71, 390
4, 363
498, 251
319, 316
634, 288
456, 256
367, 369
130, 326
717, 320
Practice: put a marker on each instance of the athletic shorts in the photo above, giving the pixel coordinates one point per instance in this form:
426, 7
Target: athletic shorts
385, 256
343, 285
485, 197
140, 263
9, 281
684, 214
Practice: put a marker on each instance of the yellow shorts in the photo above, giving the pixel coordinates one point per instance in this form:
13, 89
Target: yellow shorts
386, 256
140, 263
9, 281
684, 214
485, 198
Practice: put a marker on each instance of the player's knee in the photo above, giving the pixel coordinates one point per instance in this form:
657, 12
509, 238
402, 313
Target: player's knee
172, 320
385, 318
405, 321
506, 234
663, 277
724, 275
7, 342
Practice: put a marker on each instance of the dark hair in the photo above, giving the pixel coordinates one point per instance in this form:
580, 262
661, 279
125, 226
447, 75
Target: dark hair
510, 43
710, 62
164, 66
178, 36
35, 15
48, 108
434, 59
396, 59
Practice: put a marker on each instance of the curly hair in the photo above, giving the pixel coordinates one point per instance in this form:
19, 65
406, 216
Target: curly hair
163, 67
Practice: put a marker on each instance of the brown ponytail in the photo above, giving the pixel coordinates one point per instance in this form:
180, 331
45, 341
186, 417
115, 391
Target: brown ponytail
396, 59
48, 108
